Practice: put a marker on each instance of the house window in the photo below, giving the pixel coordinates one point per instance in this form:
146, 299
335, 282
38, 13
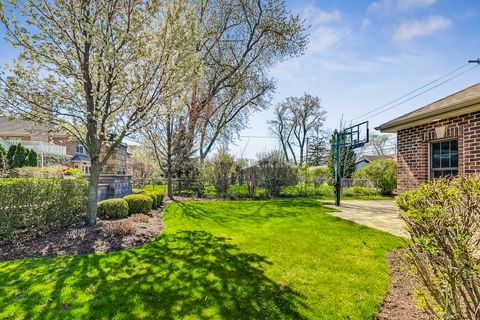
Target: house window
444, 158
80, 149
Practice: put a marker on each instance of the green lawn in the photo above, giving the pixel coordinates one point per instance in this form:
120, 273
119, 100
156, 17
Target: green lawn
282, 259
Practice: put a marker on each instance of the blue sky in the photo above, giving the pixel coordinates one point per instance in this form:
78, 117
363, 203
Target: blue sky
363, 54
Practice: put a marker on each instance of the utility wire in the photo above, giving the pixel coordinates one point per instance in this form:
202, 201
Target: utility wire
412, 92
425, 91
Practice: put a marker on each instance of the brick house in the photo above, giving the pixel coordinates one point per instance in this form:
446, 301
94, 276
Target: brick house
114, 180
439, 139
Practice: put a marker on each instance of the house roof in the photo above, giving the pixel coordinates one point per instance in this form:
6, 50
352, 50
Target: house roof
20, 126
370, 158
81, 157
461, 102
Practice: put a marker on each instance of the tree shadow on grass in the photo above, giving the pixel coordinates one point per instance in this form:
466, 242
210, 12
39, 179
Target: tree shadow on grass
189, 274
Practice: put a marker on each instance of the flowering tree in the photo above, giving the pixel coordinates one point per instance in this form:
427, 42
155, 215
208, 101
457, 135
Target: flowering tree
97, 69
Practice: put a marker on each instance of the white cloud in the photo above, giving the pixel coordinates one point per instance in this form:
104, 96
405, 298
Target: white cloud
384, 6
316, 16
326, 30
366, 23
420, 28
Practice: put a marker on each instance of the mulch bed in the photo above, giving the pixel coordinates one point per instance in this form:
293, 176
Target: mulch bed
88, 239
399, 303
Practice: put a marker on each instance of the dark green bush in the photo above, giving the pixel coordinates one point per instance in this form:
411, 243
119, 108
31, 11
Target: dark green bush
32, 206
112, 209
443, 221
138, 203
160, 199
32, 159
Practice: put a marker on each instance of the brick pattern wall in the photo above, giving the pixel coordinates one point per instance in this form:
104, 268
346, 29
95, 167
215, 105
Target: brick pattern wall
413, 148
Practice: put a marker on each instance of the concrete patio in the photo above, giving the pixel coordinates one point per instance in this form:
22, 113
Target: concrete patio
379, 214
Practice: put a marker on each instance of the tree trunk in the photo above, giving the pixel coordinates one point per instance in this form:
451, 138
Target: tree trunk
169, 159
170, 186
93, 193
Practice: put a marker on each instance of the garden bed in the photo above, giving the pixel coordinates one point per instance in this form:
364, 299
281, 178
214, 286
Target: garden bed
104, 237
399, 304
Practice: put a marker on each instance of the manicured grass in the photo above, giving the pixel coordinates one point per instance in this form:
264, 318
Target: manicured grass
282, 259
156, 187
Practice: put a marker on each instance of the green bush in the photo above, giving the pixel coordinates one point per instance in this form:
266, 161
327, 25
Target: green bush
32, 158
112, 209
238, 191
138, 203
51, 159
137, 191
155, 197
20, 158
359, 191
3, 160
443, 221
40, 172
382, 174
32, 206
160, 199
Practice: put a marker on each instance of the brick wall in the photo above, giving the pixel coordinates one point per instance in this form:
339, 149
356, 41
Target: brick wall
413, 148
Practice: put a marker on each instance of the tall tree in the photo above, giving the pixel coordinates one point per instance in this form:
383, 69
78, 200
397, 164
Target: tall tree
97, 69
297, 119
240, 40
379, 144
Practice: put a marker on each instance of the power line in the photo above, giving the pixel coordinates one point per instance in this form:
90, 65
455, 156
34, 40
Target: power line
412, 92
258, 137
425, 91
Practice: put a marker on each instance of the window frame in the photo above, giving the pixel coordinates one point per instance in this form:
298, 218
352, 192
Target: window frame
430, 158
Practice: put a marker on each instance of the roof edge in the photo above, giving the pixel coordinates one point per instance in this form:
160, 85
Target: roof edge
393, 126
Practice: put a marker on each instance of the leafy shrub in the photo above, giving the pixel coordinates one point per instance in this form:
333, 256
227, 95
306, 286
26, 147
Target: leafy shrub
73, 172
443, 220
186, 192
155, 198
221, 168
238, 191
359, 191
361, 179
381, 173
138, 203
40, 172
32, 206
137, 191
275, 172
51, 159
112, 209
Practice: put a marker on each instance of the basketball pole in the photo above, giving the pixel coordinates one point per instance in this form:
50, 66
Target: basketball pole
342, 143
337, 169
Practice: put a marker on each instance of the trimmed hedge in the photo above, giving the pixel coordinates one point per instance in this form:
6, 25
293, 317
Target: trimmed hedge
112, 209
152, 195
138, 203
157, 198
33, 206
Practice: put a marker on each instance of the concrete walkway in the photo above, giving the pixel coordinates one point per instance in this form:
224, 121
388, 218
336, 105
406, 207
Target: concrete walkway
379, 214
